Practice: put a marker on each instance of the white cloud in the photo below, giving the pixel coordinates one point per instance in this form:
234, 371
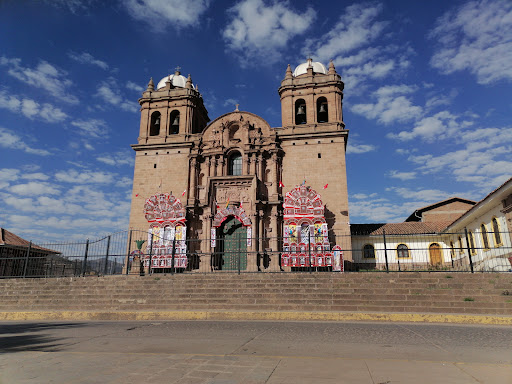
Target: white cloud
258, 30
476, 37
74, 6
360, 148
9, 174
134, 87
92, 128
118, 158
35, 176
10, 140
425, 195
357, 45
85, 177
355, 29
483, 162
34, 188
110, 93
44, 76
30, 108
402, 175
440, 126
87, 58
391, 106
160, 14
230, 102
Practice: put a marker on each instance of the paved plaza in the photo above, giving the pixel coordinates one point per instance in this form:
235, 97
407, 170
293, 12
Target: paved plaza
253, 352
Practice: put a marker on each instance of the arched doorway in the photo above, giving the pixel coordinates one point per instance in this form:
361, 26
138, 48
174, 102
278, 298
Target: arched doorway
435, 254
231, 245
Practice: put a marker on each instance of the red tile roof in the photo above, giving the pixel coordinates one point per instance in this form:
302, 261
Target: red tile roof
8, 238
406, 228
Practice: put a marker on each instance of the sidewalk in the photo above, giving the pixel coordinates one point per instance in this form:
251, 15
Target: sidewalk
254, 315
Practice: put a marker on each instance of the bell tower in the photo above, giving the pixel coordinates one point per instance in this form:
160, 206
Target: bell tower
172, 119
314, 139
171, 112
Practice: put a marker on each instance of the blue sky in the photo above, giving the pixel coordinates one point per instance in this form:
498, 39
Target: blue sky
427, 96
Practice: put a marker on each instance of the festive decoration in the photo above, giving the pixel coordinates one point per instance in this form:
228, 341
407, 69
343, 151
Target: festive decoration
183, 194
281, 184
167, 217
305, 232
325, 186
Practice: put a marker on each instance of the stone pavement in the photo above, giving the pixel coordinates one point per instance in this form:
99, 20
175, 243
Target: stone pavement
205, 352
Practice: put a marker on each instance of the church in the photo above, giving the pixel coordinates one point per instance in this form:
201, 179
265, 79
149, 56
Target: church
235, 185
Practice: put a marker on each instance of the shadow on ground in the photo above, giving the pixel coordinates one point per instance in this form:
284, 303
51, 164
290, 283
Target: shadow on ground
31, 337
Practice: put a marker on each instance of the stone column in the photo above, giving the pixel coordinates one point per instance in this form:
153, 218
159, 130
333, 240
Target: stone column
206, 256
273, 176
262, 167
193, 180
274, 240
224, 166
215, 165
208, 166
246, 169
253, 165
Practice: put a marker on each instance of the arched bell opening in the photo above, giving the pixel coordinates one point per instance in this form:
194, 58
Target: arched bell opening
154, 128
300, 112
322, 110
174, 126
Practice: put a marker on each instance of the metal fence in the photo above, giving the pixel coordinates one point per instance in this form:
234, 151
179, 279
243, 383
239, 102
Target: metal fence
136, 252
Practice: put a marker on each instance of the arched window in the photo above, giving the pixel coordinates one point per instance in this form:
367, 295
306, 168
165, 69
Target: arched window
472, 242
369, 251
174, 126
452, 250
235, 164
460, 244
322, 114
496, 230
402, 251
485, 239
154, 129
300, 112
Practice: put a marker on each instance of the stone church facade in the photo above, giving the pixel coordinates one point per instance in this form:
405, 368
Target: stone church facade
203, 180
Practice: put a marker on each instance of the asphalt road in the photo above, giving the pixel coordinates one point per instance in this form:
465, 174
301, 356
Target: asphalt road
253, 352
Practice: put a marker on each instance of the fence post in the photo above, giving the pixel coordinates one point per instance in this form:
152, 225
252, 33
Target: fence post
239, 251
150, 255
469, 250
127, 262
385, 249
309, 250
106, 257
173, 254
26, 260
85, 257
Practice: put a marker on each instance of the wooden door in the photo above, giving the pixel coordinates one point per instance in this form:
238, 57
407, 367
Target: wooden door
435, 254
234, 241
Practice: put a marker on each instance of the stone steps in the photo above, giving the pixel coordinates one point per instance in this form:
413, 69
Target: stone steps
394, 292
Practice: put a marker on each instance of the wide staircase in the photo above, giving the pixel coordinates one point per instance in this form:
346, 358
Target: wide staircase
447, 293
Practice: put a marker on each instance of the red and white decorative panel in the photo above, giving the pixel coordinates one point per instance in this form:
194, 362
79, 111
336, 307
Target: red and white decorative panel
167, 217
305, 233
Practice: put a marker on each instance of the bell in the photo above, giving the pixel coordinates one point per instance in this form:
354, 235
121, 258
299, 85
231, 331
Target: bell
301, 111
322, 109
176, 121
157, 121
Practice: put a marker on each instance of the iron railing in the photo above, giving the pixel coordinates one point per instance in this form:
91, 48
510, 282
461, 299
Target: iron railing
134, 252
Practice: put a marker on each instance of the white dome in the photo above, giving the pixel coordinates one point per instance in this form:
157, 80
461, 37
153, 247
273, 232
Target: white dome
303, 68
176, 79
